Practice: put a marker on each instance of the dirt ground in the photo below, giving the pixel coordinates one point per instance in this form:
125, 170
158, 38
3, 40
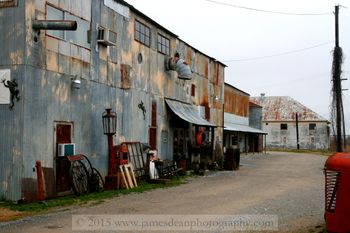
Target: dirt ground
7, 214
287, 185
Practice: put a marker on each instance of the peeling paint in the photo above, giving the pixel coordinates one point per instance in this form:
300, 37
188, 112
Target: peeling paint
61, 92
16, 57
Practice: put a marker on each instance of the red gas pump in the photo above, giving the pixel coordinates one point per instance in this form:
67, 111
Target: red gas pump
337, 196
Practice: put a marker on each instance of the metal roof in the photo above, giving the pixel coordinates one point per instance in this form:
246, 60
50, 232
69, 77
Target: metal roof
187, 112
237, 123
284, 108
241, 128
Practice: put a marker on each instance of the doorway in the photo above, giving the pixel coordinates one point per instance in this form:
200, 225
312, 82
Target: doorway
63, 134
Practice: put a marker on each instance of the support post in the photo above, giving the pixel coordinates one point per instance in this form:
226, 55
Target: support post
39, 174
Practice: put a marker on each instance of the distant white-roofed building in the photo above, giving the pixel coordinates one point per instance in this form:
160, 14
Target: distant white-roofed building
289, 123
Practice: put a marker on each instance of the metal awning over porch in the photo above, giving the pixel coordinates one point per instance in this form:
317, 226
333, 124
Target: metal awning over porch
187, 112
241, 128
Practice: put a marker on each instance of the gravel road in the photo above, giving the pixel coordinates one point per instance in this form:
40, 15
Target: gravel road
287, 185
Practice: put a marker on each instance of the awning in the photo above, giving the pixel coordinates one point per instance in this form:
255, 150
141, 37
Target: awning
241, 128
187, 112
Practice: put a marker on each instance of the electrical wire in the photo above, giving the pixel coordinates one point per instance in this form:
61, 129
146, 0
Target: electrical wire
279, 54
268, 11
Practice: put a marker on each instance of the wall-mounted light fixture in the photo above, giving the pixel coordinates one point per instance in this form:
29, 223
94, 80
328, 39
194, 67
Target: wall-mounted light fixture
76, 83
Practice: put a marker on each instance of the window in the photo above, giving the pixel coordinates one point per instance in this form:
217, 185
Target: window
163, 45
312, 126
142, 33
78, 36
234, 140
54, 14
193, 90
284, 126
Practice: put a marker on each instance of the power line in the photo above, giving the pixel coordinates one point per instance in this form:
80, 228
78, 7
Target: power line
268, 11
279, 54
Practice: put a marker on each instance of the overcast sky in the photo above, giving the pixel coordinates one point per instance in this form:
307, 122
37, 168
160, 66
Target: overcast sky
240, 38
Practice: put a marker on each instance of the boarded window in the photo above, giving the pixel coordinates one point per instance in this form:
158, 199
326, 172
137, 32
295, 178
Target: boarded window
142, 33
284, 126
163, 45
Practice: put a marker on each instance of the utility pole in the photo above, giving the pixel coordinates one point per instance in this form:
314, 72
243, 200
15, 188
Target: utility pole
337, 90
297, 128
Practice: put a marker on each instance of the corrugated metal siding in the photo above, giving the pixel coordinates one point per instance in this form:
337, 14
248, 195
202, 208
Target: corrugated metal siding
236, 102
11, 122
255, 117
10, 154
115, 79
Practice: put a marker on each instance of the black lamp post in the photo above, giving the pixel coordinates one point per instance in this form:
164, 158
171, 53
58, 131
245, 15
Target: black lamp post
109, 121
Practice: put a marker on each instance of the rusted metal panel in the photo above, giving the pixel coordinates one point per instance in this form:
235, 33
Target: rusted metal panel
125, 76
29, 190
216, 74
236, 101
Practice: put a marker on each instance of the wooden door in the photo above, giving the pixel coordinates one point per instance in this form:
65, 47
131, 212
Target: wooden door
63, 135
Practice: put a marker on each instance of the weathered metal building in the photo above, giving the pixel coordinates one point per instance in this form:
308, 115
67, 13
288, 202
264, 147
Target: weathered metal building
281, 124
123, 69
242, 123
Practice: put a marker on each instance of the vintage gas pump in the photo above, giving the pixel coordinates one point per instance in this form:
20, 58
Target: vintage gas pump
109, 120
337, 195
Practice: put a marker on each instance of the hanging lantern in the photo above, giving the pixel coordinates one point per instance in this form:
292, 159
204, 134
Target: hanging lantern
109, 120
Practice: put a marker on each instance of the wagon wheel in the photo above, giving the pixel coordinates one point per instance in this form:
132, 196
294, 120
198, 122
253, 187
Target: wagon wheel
79, 177
97, 180
87, 164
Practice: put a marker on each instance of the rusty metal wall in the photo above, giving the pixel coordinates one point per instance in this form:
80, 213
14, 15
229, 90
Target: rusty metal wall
110, 77
11, 122
236, 101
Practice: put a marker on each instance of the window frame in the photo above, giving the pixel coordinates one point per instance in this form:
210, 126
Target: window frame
282, 126
69, 16
141, 33
163, 44
312, 126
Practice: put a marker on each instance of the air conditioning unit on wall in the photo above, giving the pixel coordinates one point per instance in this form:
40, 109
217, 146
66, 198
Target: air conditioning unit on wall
66, 149
106, 37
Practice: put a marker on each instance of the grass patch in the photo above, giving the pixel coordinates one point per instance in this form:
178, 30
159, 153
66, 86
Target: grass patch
88, 199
